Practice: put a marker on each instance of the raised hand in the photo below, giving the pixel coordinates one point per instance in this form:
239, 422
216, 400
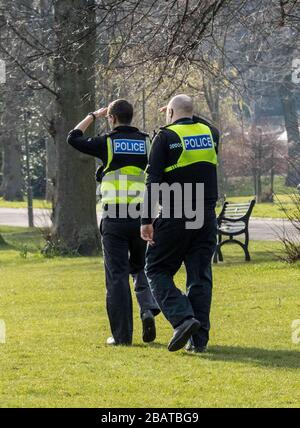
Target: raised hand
163, 109
102, 112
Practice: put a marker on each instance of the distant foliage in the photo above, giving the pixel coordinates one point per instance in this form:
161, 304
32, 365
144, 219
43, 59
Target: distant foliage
291, 241
2, 242
38, 167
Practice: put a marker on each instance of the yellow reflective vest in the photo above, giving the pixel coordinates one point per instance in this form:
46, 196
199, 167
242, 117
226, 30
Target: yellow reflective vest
197, 145
127, 184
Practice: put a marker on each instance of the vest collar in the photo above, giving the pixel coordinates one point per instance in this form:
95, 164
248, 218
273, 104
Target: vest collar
125, 128
184, 120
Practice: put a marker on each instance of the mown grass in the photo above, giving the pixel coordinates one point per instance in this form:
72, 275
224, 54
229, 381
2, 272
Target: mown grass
37, 203
55, 354
277, 209
20, 238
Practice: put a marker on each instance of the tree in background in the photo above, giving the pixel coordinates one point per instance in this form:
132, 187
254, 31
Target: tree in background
74, 222
288, 100
11, 188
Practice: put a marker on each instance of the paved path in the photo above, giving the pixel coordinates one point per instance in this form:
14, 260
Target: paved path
260, 229
18, 217
267, 229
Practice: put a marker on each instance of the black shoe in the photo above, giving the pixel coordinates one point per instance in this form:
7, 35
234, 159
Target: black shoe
195, 349
182, 334
149, 330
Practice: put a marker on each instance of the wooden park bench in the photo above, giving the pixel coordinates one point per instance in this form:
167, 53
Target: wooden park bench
233, 221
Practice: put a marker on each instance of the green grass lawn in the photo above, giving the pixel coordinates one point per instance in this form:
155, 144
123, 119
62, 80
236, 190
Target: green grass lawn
55, 354
266, 209
37, 203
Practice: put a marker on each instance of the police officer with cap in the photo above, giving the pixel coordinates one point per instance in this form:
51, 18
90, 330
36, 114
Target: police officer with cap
184, 151
124, 154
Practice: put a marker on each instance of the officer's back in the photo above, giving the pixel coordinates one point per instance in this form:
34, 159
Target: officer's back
124, 156
183, 153
195, 163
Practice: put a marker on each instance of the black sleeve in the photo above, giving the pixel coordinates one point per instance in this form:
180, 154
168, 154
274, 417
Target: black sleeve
91, 146
154, 174
214, 131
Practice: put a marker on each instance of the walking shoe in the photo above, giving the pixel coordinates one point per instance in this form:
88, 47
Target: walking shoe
149, 330
195, 349
182, 334
111, 341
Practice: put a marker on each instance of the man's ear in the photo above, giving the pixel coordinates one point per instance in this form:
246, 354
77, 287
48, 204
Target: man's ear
171, 112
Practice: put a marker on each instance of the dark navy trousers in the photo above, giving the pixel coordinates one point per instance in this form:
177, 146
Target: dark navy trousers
124, 255
174, 245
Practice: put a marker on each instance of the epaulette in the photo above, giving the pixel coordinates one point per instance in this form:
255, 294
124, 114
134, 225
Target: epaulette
144, 133
108, 134
164, 127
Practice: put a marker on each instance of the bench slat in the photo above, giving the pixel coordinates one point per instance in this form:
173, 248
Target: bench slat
229, 214
246, 204
236, 209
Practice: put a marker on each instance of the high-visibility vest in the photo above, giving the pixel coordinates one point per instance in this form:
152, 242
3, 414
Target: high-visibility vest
124, 185
197, 145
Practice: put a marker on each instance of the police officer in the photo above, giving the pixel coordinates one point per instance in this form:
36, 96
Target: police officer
124, 154
184, 151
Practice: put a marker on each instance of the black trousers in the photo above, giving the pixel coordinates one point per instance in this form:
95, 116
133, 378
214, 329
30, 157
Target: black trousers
174, 245
124, 255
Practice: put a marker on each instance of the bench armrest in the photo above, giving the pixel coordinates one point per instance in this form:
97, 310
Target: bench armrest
234, 220
245, 217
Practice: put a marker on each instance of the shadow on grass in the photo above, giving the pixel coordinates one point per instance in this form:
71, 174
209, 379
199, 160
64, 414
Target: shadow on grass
13, 240
263, 255
153, 345
255, 356
3, 244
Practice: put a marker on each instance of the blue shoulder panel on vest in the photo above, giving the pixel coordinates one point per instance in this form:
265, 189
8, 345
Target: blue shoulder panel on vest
129, 147
198, 142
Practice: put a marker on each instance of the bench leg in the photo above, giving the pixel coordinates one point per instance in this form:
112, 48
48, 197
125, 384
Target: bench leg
247, 255
231, 240
215, 259
220, 255
217, 251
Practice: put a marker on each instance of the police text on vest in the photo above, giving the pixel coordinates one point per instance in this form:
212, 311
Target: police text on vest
129, 147
198, 142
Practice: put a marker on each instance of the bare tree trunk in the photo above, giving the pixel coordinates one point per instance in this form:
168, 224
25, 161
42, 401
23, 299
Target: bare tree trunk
292, 128
212, 97
12, 181
272, 175
75, 223
47, 14
50, 169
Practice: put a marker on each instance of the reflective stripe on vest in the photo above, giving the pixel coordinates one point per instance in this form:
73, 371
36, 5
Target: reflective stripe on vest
124, 185
197, 145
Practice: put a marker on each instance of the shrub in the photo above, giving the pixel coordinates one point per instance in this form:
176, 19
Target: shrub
291, 240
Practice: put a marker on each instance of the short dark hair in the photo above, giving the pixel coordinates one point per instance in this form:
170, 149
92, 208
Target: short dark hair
122, 109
